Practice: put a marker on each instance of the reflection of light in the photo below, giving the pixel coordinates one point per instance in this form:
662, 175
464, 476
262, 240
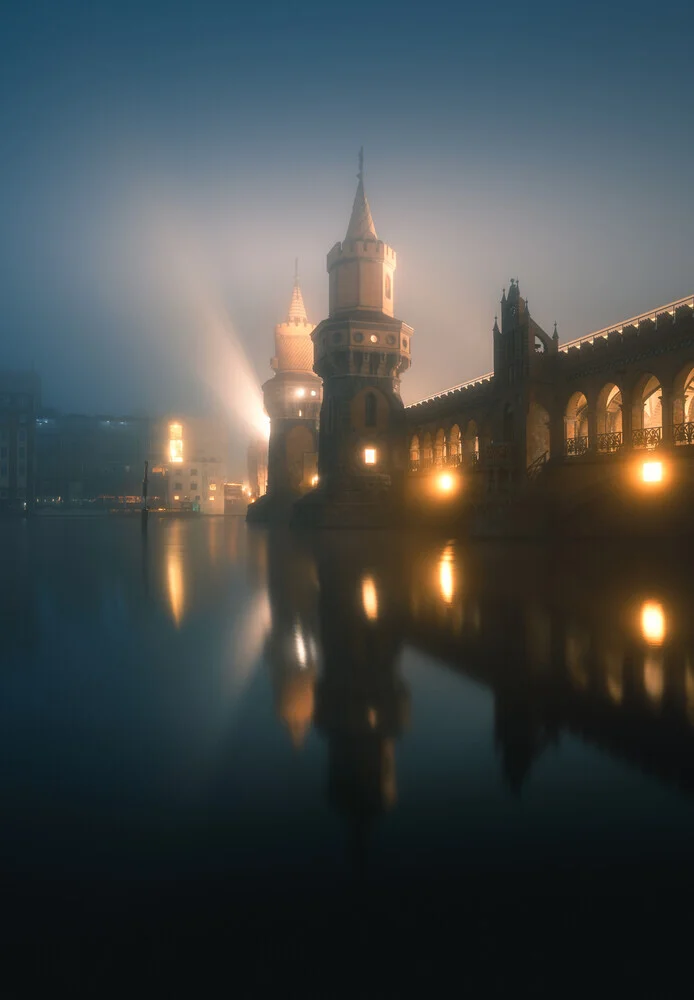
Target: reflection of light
446, 582
300, 649
445, 482
653, 680
652, 472
174, 575
369, 598
314, 480
372, 716
369, 456
300, 393
653, 623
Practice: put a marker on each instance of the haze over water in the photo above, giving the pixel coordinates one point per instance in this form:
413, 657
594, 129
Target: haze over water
339, 756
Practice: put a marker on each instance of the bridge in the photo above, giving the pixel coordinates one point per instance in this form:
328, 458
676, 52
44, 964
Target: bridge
599, 403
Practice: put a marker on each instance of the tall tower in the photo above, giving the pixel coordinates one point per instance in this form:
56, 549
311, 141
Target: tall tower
292, 400
361, 350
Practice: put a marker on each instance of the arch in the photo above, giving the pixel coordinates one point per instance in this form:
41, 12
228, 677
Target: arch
454, 446
427, 457
576, 424
440, 447
683, 406
609, 418
370, 409
414, 453
471, 442
646, 412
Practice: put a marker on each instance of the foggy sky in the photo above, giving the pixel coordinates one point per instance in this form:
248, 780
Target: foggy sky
163, 162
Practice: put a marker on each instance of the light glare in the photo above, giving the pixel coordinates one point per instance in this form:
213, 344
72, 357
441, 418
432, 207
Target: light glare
652, 472
653, 623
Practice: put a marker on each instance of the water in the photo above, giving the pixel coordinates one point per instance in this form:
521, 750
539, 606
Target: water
339, 756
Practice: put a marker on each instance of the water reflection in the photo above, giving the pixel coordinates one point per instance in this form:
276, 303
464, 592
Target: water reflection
552, 638
174, 571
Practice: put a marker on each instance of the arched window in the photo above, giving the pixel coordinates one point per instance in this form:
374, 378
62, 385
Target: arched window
683, 406
576, 425
440, 447
414, 453
609, 418
646, 413
370, 409
388, 287
454, 448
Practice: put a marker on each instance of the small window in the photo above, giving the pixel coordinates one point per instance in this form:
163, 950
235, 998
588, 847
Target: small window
193, 486
370, 409
193, 472
388, 288
21, 435
197, 499
178, 486
21, 469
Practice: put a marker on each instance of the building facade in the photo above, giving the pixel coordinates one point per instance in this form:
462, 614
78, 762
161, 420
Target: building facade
20, 399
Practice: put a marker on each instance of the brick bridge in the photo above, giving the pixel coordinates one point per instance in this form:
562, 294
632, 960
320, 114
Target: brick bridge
580, 410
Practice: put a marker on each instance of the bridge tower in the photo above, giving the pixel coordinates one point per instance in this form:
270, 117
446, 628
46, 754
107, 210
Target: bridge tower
361, 350
292, 399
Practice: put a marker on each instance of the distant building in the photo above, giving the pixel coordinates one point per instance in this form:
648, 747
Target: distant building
84, 458
20, 399
190, 463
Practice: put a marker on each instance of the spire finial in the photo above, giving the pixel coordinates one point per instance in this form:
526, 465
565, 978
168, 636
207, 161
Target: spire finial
296, 270
360, 175
361, 225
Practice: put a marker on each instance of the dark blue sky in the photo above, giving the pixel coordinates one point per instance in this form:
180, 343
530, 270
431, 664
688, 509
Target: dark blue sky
165, 162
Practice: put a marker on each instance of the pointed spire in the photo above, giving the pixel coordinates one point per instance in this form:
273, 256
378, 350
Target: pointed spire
297, 309
496, 325
361, 225
555, 335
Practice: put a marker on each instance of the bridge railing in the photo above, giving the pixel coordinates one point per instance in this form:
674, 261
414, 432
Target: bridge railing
683, 433
454, 388
652, 314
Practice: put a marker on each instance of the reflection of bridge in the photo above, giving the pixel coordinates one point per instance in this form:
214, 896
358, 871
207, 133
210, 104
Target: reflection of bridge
595, 404
600, 648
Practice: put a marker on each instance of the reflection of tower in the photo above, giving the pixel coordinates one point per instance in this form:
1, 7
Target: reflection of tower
360, 351
292, 401
361, 703
291, 650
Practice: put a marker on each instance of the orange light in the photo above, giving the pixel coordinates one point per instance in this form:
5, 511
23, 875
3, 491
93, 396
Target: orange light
445, 482
369, 456
653, 623
176, 496
314, 481
446, 581
369, 598
652, 472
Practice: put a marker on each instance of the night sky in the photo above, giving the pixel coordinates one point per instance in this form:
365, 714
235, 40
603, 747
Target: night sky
164, 163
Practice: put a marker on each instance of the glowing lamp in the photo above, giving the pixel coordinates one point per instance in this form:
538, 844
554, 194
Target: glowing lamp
445, 482
176, 497
300, 393
314, 481
369, 598
652, 472
369, 456
653, 623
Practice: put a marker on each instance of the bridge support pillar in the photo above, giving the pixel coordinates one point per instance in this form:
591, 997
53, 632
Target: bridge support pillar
592, 429
666, 410
627, 422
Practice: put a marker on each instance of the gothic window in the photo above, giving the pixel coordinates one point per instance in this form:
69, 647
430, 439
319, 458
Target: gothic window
388, 288
370, 406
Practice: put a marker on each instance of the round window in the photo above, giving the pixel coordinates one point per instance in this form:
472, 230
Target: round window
358, 337
373, 338
404, 343
390, 338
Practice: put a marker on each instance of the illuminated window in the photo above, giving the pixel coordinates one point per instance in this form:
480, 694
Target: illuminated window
300, 393
213, 487
373, 338
313, 392
175, 443
176, 497
369, 456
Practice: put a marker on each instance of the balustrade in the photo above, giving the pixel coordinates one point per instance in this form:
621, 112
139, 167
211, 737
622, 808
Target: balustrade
683, 433
414, 465
646, 437
610, 442
576, 445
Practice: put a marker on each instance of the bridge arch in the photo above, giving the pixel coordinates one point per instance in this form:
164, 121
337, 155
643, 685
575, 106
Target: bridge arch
683, 406
646, 412
440, 447
414, 453
608, 413
576, 424
427, 455
454, 445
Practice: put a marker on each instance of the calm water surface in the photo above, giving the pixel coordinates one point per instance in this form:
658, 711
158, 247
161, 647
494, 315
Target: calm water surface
347, 751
